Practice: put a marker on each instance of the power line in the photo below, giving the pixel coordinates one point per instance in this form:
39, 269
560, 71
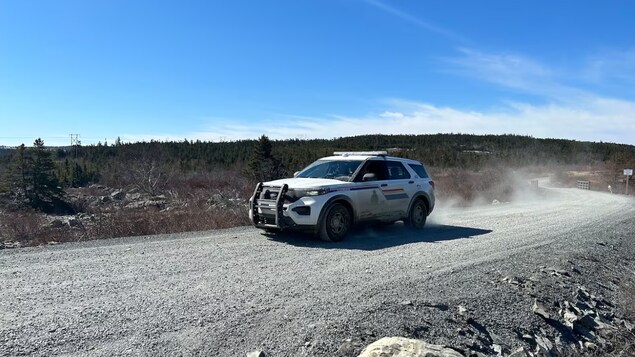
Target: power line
75, 142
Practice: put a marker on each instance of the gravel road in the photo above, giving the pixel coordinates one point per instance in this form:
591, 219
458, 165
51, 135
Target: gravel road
228, 292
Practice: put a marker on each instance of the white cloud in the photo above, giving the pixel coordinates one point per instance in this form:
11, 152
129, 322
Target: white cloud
417, 21
610, 66
568, 112
601, 119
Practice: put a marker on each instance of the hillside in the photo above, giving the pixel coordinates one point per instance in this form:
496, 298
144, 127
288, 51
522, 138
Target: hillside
129, 189
438, 150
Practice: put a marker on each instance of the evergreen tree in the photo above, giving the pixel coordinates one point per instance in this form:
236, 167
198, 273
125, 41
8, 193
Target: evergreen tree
41, 186
263, 166
16, 178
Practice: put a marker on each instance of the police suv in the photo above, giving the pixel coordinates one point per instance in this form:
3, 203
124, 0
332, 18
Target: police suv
335, 192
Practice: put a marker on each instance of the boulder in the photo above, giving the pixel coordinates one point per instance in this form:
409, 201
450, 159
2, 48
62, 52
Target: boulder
406, 347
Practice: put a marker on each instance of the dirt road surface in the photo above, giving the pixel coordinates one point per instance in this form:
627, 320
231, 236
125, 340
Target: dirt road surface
228, 292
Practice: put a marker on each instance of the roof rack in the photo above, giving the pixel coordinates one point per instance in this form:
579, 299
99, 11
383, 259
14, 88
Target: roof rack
360, 153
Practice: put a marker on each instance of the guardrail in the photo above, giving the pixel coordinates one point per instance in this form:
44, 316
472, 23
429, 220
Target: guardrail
584, 185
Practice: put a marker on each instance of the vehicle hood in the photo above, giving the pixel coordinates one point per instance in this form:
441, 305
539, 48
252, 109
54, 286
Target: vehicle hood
302, 183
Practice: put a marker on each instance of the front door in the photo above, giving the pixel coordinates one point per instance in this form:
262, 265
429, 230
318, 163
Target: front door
371, 202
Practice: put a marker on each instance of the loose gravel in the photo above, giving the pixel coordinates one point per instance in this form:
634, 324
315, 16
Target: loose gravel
229, 292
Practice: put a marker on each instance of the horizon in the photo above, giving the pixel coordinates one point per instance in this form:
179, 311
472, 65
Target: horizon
315, 70
113, 143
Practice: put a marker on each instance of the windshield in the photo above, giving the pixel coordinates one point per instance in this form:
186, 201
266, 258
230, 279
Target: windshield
331, 169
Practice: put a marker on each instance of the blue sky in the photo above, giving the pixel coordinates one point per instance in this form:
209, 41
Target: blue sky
226, 70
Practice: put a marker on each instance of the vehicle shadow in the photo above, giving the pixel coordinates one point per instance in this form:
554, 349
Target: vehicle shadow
371, 238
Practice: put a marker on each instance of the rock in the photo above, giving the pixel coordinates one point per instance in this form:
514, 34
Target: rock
544, 345
56, 223
406, 303
257, 354
521, 352
462, 310
495, 202
590, 346
540, 310
406, 347
106, 199
529, 338
118, 195
582, 294
347, 348
74, 222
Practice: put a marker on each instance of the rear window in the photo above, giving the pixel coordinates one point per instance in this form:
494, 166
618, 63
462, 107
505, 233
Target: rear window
421, 172
396, 171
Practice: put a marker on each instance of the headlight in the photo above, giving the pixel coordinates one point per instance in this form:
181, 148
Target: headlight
310, 192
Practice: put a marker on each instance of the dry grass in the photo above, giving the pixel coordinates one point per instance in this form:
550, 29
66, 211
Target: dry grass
217, 199
21, 226
126, 223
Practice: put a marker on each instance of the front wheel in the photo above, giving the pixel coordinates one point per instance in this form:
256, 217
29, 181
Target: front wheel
336, 223
417, 215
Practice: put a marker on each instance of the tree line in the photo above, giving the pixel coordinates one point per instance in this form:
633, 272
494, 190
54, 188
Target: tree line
34, 174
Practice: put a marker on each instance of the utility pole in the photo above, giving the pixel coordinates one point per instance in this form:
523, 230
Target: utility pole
75, 143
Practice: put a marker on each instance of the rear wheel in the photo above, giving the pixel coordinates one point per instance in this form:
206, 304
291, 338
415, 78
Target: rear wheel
336, 223
417, 215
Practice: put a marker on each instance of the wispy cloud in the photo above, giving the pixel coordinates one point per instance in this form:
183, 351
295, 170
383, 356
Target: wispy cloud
514, 71
566, 111
602, 119
610, 65
426, 25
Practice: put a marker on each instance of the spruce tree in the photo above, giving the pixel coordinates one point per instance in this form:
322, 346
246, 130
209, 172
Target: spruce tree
42, 189
263, 166
16, 180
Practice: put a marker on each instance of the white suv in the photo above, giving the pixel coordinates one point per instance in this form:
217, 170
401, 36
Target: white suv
333, 193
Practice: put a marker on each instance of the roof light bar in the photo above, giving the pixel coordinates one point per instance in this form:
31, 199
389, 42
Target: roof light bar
360, 153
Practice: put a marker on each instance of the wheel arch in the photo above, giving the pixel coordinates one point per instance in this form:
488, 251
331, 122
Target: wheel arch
422, 196
343, 199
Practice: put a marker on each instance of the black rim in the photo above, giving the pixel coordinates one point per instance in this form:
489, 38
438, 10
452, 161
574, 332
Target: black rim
338, 221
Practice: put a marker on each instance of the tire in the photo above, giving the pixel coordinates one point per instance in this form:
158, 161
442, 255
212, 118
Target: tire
336, 223
417, 215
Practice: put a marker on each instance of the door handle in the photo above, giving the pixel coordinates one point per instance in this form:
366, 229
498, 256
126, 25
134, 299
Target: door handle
411, 182
384, 184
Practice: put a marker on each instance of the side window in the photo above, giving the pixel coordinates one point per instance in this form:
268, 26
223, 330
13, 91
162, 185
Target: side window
377, 167
421, 172
396, 171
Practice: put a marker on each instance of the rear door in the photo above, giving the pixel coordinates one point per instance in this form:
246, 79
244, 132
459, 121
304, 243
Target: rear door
398, 189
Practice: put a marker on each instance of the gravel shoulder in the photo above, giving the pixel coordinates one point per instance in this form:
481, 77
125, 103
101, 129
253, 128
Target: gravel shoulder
232, 291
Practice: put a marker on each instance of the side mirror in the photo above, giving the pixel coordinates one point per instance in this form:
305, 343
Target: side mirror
369, 177
295, 174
